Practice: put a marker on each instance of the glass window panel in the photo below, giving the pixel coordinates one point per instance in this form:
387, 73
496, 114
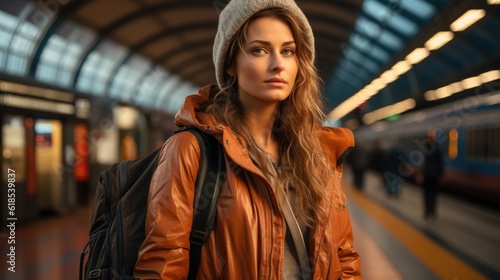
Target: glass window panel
5, 37
16, 65
496, 143
122, 83
128, 77
8, 22
419, 8
28, 30
63, 52
43, 72
166, 91
403, 25
70, 58
367, 27
21, 48
84, 83
148, 90
178, 95
378, 54
359, 42
377, 10
48, 59
390, 41
64, 78
85, 79
100, 64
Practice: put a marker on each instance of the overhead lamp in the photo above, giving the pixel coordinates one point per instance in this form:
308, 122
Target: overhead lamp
384, 112
489, 76
493, 2
389, 76
438, 40
456, 87
471, 82
430, 95
443, 92
467, 19
401, 67
417, 55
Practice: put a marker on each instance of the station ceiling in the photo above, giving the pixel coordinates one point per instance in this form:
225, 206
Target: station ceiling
152, 53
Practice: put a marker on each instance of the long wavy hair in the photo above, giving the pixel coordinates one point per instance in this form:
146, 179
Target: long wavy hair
302, 167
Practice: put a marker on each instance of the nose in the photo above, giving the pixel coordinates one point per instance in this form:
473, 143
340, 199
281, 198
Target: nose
277, 63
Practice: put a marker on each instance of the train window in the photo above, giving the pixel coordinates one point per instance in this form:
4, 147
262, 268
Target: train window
483, 144
471, 143
496, 144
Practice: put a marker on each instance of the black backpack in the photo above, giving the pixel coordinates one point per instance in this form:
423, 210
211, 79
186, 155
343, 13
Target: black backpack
119, 211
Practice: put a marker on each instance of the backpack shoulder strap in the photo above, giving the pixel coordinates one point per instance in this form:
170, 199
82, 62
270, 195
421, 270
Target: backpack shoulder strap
207, 189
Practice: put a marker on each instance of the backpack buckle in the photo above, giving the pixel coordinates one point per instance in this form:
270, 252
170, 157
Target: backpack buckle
198, 237
96, 273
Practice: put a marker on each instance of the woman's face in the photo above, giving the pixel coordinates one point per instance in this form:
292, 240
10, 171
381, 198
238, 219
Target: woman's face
267, 65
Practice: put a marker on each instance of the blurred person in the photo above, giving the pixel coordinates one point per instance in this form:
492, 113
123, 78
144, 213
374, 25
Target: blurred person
266, 112
432, 170
377, 156
359, 160
394, 164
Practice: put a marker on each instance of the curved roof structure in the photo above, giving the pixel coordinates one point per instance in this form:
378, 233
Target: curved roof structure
152, 53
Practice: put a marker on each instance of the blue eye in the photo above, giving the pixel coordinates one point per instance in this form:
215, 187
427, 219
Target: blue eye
258, 51
288, 52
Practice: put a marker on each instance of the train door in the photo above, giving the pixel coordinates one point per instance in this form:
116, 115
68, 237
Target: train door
17, 138
48, 165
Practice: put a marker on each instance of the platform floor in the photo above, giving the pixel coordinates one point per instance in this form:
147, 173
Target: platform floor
395, 242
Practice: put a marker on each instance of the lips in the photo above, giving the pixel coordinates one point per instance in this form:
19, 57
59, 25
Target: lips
275, 80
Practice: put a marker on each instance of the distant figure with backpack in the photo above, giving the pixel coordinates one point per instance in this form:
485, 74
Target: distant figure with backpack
281, 212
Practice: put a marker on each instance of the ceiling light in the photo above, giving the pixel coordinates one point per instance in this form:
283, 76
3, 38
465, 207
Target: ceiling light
384, 112
471, 82
493, 2
401, 67
430, 95
443, 92
467, 19
417, 55
456, 87
490, 75
389, 76
439, 40
378, 83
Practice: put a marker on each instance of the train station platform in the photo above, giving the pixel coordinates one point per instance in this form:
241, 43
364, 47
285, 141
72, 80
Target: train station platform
394, 240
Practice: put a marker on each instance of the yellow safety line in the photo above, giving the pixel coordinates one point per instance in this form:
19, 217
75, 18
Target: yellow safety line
439, 260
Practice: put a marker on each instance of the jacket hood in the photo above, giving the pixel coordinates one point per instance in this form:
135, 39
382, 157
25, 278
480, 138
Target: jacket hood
336, 142
189, 114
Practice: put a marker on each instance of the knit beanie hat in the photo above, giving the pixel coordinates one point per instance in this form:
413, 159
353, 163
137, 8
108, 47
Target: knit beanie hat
236, 13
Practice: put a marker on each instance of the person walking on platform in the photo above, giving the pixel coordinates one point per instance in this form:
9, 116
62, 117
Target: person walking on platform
282, 213
432, 171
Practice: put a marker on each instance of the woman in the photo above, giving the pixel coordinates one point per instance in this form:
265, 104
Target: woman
266, 112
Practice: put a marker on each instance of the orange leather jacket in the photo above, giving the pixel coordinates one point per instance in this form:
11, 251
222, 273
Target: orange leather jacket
248, 239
